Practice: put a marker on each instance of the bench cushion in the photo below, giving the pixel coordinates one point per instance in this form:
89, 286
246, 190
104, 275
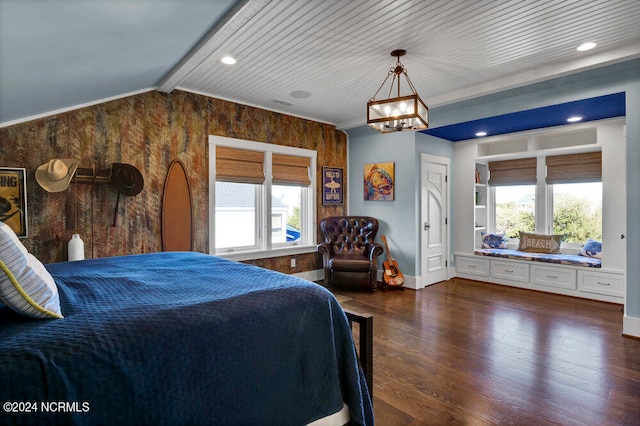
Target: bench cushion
559, 258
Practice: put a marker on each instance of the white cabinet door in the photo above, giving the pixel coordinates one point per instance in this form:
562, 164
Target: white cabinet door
553, 277
601, 283
472, 265
510, 271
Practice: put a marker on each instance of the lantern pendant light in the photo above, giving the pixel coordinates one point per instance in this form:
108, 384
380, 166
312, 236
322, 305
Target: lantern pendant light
402, 112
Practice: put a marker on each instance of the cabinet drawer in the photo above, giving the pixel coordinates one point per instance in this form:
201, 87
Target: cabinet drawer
553, 277
510, 271
601, 283
472, 265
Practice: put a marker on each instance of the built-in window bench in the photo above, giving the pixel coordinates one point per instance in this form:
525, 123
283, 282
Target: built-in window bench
559, 258
567, 274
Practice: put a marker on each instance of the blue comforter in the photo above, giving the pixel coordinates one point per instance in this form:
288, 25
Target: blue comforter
181, 339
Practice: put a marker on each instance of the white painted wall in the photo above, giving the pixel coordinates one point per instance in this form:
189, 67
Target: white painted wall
614, 196
464, 158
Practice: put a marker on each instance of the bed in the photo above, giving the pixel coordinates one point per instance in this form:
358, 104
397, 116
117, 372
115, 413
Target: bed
180, 338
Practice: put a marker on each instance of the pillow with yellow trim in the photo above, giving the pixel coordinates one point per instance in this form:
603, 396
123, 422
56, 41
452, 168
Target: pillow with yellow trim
539, 243
25, 285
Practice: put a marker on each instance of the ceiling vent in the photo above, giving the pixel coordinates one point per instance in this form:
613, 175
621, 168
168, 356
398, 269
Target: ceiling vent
280, 102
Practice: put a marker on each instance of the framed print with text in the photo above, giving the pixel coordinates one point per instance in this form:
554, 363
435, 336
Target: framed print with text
13, 199
332, 186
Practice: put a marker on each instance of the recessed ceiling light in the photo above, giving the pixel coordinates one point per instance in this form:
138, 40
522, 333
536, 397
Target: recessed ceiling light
574, 119
480, 134
228, 60
300, 94
586, 46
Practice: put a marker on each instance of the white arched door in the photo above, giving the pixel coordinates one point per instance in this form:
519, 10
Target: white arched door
434, 228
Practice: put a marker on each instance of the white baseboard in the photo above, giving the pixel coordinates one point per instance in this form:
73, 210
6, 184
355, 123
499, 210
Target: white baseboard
313, 275
409, 281
414, 283
451, 273
631, 326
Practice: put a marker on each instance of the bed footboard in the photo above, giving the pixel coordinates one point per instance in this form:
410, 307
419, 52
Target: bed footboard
365, 343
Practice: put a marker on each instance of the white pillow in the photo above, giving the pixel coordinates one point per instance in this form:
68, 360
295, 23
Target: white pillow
25, 285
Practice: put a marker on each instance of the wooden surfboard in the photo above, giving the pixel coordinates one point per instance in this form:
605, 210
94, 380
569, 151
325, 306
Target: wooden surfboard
177, 215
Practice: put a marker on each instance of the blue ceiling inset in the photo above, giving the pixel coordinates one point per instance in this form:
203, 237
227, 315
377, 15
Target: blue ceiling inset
598, 108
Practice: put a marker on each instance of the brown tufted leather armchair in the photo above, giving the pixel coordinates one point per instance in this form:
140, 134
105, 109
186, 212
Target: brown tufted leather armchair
349, 252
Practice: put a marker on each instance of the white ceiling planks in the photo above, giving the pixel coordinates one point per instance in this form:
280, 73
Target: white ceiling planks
339, 51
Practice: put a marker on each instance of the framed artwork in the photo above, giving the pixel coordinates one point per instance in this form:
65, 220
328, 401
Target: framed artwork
379, 181
13, 199
332, 186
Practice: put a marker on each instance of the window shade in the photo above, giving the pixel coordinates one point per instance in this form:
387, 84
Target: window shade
239, 165
513, 172
290, 170
574, 168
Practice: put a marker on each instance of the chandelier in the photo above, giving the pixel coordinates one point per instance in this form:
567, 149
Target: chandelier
399, 113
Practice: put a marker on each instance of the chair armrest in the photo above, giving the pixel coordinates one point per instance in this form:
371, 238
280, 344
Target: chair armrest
324, 249
375, 250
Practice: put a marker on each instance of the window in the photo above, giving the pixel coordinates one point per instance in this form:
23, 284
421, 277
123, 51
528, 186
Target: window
515, 209
570, 197
513, 192
235, 215
575, 196
264, 199
286, 207
577, 211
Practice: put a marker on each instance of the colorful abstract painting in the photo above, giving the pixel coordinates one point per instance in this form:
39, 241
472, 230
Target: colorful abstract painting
379, 181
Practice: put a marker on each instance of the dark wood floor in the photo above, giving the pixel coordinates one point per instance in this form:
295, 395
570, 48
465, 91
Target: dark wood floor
464, 352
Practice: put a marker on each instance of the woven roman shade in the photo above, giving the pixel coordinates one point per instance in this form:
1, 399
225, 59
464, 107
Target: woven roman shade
239, 165
574, 168
513, 172
290, 170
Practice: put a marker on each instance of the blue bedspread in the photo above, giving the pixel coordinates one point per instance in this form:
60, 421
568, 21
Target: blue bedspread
181, 339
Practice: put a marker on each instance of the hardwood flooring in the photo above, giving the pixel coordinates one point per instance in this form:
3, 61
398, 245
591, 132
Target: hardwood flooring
471, 353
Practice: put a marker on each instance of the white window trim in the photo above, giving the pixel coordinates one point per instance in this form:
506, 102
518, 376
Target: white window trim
268, 249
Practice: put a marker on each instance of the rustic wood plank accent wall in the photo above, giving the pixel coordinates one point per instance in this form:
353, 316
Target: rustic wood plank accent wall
149, 131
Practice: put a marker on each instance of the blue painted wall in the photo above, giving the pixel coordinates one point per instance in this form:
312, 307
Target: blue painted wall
368, 146
399, 219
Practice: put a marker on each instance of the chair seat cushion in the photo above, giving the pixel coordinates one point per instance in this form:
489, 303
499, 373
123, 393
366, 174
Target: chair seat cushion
352, 264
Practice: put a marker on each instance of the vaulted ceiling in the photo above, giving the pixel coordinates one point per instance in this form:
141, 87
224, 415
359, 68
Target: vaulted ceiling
60, 54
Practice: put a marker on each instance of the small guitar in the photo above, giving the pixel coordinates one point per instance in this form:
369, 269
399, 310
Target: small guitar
392, 275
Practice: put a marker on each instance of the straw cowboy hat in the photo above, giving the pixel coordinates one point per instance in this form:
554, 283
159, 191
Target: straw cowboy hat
55, 175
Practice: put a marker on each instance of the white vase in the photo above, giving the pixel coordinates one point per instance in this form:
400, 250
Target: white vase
76, 248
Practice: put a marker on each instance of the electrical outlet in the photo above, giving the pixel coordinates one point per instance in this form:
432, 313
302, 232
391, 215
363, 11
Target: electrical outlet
293, 262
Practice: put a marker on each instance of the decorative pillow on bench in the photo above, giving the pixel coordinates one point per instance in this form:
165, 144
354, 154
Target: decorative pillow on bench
592, 248
493, 241
539, 243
